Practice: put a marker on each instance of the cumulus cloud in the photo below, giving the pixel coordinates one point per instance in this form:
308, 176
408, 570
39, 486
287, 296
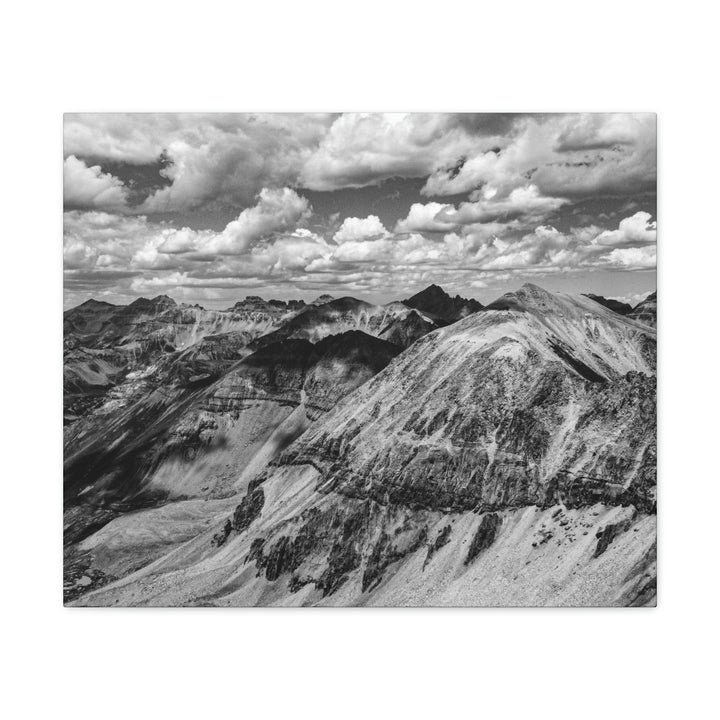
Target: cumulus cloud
77, 254
228, 159
134, 253
357, 229
632, 231
565, 155
424, 218
212, 159
486, 207
90, 187
364, 148
275, 210
104, 239
515, 190
634, 258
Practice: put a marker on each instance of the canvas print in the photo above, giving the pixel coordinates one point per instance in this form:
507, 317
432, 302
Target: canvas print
359, 359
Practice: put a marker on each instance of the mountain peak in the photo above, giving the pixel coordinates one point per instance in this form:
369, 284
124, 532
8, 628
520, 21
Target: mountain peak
431, 291
158, 303
434, 301
322, 299
528, 297
162, 300
95, 304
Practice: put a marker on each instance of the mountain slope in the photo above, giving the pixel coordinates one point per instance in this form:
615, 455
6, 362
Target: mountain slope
506, 459
621, 308
189, 438
646, 311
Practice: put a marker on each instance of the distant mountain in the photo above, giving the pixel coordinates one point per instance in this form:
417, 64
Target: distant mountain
435, 302
157, 304
315, 322
255, 302
105, 345
621, 308
646, 311
506, 459
322, 299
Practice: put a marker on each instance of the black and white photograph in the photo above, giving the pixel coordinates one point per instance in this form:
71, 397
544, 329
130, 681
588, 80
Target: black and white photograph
360, 359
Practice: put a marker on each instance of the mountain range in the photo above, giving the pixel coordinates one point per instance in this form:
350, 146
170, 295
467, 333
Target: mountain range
430, 451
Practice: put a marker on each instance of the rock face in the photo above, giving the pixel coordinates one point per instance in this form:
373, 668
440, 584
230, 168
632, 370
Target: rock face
404, 331
621, 308
506, 459
436, 303
646, 311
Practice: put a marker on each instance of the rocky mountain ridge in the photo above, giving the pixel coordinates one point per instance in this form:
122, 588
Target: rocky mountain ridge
507, 458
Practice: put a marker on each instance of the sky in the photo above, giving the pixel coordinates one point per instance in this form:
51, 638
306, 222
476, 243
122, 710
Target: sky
210, 208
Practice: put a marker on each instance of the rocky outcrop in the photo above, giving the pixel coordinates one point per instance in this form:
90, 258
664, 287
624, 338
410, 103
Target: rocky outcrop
484, 536
608, 533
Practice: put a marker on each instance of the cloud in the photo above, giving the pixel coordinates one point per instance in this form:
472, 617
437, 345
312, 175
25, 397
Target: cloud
634, 258
632, 231
105, 239
423, 218
536, 194
564, 156
223, 161
522, 202
90, 187
77, 254
357, 229
365, 148
212, 159
131, 254
275, 210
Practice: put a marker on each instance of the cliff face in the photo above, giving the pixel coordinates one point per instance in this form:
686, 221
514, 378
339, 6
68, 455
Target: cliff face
507, 459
